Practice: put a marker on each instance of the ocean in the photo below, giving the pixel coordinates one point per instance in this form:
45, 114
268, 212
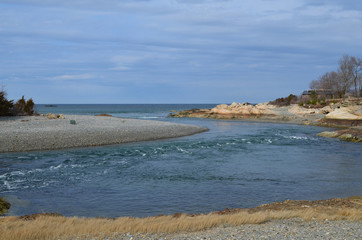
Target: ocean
237, 164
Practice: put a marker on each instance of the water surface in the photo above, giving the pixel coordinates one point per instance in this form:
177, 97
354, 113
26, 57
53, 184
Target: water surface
235, 165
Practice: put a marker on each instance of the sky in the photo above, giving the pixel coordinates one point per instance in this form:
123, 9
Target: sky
172, 51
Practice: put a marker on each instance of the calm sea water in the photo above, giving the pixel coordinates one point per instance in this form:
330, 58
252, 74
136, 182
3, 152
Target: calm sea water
236, 164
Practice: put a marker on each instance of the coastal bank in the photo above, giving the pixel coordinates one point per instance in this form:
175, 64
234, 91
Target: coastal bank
323, 219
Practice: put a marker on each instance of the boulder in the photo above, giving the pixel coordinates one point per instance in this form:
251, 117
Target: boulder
328, 134
298, 110
343, 113
55, 116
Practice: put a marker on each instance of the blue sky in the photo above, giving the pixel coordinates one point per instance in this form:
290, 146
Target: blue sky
172, 51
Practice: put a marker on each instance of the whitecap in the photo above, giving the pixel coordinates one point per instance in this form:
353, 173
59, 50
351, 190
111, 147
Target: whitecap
149, 117
56, 167
298, 137
36, 170
182, 150
8, 186
17, 173
76, 165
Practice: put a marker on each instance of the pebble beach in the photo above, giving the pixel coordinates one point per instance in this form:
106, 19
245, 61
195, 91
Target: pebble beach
275, 229
34, 133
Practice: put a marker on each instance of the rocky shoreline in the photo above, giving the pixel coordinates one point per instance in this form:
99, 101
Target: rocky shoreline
344, 114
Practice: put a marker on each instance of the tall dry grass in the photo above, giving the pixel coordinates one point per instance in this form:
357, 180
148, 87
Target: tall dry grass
52, 227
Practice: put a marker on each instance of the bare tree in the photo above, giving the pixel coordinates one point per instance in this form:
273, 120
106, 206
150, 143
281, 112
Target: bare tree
357, 75
329, 81
315, 84
349, 74
345, 73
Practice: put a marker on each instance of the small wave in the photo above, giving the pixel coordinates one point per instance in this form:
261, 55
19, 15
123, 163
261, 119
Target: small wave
76, 166
8, 186
141, 153
37, 170
149, 117
298, 137
56, 167
17, 173
182, 150
292, 137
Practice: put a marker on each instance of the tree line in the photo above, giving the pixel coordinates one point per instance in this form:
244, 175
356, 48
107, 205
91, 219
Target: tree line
21, 107
347, 79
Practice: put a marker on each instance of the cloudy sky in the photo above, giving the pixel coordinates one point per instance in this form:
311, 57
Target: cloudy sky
172, 51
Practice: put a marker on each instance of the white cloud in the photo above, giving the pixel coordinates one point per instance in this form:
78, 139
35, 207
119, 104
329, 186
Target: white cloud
72, 77
125, 62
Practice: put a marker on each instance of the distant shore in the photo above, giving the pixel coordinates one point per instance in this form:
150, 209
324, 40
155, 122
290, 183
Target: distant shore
41, 133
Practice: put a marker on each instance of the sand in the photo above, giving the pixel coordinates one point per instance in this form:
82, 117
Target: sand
34, 133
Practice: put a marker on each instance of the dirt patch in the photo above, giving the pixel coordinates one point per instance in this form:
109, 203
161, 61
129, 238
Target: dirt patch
340, 122
37, 215
352, 202
104, 115
4, 206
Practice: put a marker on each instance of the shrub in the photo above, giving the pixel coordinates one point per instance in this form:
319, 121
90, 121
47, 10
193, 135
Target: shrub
285, 101
19, 106
5, 105
23, 107
29, 107
313, 95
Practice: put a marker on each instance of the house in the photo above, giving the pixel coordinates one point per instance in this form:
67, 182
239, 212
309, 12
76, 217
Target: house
327, 93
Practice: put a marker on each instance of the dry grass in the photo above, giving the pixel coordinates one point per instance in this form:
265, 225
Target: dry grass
58, 227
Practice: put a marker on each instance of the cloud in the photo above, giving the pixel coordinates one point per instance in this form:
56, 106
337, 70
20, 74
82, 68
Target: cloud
72, 77
176, 42
125, 62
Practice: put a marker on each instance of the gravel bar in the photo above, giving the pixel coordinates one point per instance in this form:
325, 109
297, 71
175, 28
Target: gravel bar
275, 229
18, 134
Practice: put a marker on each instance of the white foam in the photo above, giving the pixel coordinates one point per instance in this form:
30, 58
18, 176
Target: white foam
8, 186
17, 173
182, 150
298, 137
149, 117
76, 165
56, 167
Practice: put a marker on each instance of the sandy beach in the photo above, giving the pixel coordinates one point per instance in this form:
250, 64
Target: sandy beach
40, 133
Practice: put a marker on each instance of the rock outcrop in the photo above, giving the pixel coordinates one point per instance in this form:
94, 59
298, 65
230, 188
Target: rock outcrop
244, 109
